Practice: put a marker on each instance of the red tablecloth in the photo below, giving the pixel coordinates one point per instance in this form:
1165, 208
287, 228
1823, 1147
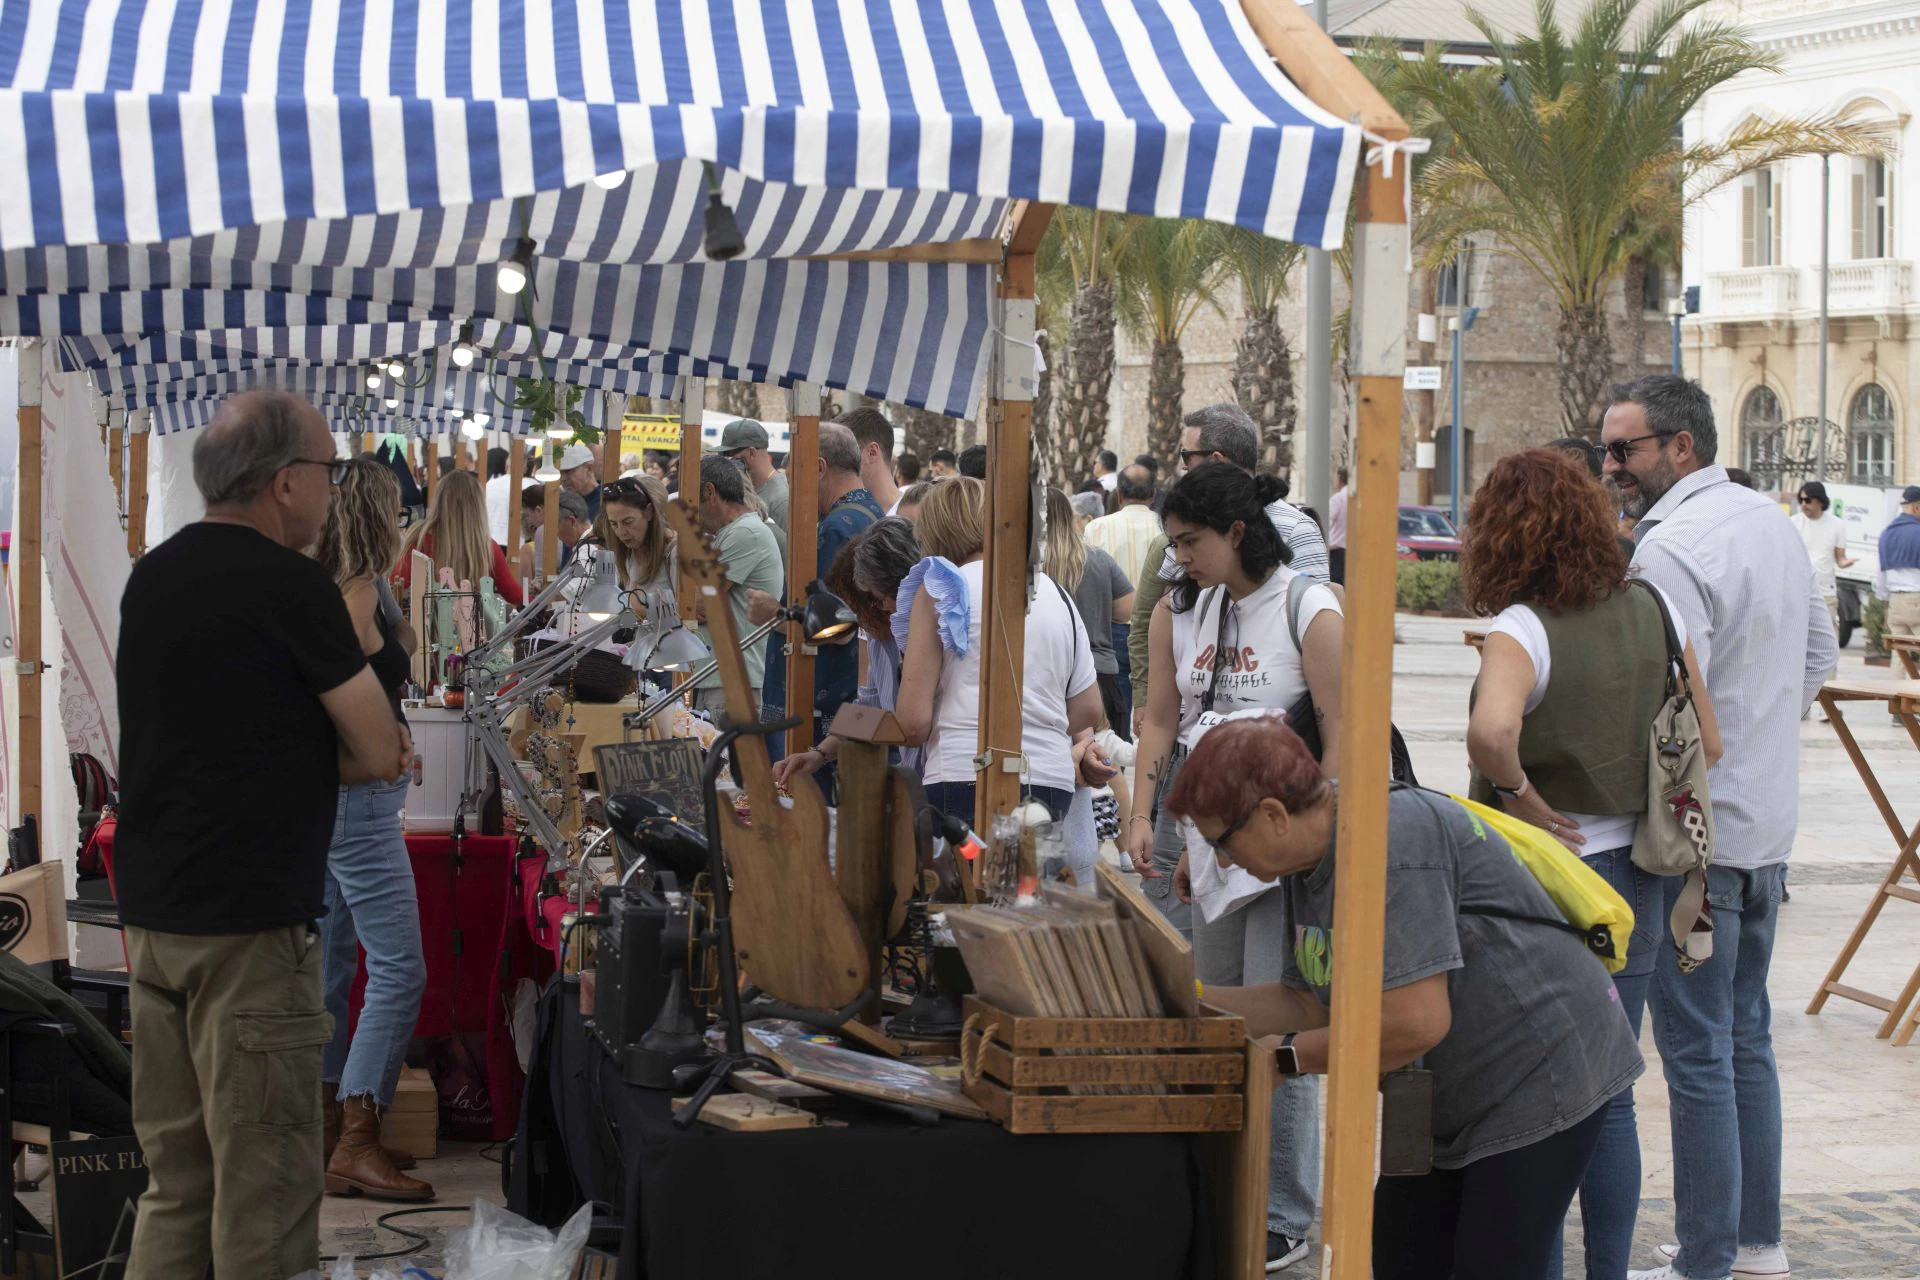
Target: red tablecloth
474, 929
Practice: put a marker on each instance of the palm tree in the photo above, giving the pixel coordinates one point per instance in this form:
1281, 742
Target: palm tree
1054, 288
1262, 362
1168, 270
741, 399
1090, 242
1568, 151
923, 431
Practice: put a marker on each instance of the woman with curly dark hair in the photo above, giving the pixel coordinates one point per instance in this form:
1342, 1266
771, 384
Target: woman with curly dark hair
1573, 671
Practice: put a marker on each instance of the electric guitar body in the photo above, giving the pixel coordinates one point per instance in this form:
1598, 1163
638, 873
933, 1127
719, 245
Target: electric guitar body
793, 934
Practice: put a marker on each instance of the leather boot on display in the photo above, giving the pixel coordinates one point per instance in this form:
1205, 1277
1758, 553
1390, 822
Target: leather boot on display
361, 1166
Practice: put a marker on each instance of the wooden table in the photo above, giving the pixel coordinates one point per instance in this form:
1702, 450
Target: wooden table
1902, 698
1907, 649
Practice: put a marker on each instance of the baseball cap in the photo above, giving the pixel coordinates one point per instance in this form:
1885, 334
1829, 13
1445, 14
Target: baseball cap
743, 433
575, 455
1910, 495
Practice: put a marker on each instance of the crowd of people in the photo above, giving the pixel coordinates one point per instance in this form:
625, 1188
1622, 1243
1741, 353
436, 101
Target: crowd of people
1181, 698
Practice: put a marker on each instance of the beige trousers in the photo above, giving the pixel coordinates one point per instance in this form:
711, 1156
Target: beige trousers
226, 1102
1903, 613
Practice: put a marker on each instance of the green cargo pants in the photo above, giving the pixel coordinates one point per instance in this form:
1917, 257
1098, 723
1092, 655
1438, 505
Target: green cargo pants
226, 1102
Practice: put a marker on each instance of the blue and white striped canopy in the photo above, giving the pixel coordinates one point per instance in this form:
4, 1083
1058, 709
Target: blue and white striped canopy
137, 121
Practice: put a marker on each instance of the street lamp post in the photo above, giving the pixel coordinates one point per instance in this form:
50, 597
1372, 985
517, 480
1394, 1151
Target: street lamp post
1826, 210
1458, 325
1677, 309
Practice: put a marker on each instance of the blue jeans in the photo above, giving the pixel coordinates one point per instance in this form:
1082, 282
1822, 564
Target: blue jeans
371, 904
957, 799
1610, 1192
1248, 947
1714, 1029
1121, 632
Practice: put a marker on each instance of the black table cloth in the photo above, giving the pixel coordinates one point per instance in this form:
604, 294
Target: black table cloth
963, 1200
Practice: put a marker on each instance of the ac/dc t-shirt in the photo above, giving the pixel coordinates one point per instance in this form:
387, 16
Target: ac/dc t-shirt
229, 772
1538, 1041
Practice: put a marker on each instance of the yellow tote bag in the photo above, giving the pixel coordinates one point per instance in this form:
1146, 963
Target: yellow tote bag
1594, 910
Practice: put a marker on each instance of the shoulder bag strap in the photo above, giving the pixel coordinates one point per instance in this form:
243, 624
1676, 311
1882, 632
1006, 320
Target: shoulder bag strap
1676, 657
1219, 642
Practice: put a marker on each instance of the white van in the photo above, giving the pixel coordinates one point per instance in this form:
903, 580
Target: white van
1866, 512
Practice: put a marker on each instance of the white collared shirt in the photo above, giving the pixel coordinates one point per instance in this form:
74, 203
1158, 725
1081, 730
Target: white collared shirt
1734, 568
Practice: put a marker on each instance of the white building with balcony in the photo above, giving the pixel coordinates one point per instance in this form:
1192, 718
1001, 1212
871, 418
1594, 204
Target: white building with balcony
1753, 249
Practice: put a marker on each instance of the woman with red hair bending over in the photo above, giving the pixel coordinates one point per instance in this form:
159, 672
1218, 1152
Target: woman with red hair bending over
1573, 671
1516, 1023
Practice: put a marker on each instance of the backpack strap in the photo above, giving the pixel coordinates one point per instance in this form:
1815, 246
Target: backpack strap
1296, 592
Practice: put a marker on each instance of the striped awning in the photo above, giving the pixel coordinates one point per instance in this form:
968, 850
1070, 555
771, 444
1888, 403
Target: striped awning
139, 121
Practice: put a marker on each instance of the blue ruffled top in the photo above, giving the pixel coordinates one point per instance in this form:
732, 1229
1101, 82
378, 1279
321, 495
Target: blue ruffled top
944, 582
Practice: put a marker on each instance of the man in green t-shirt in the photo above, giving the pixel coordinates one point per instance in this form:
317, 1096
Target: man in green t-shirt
745, 544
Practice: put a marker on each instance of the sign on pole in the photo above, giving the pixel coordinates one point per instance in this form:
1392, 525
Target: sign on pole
1422, 377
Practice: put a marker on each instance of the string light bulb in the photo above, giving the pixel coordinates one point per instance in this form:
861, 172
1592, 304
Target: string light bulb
515, 272
472, 429
374, 381
611, 181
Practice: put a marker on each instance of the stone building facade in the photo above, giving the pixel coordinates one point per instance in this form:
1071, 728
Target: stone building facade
1753, 248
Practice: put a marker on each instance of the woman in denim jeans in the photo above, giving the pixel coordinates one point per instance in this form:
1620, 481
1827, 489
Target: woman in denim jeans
1572, 673
370, 892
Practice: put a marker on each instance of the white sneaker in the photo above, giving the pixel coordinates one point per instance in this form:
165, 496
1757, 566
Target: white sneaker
1749, 1263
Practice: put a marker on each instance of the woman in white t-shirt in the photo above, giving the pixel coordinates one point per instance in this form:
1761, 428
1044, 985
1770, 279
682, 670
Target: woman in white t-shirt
1572, 673
1222, 644
938, 621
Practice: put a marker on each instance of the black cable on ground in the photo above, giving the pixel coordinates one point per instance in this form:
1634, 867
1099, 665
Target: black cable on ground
419, 1241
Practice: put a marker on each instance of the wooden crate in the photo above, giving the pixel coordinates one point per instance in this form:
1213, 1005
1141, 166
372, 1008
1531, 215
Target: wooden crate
1106, 1075
412, 1123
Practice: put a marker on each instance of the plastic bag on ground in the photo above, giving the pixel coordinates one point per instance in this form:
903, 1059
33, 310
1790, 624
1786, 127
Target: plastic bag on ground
499, 1245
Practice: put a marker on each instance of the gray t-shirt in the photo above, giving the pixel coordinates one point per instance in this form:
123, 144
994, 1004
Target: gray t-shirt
1539, 1041
1101, 584
752, 557
774, 494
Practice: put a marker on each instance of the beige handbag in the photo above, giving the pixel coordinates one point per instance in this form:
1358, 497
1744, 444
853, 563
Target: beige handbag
1676, 836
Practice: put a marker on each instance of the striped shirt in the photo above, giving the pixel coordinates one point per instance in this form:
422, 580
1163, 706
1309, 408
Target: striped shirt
1296, 529
1125, 535
1734, 569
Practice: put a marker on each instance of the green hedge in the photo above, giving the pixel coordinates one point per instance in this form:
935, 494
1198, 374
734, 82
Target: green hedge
1873, 618
1429, 585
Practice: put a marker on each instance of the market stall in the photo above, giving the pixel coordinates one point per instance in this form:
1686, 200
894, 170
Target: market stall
883, 177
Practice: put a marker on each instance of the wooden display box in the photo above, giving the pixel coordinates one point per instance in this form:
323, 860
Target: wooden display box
412, 1123
1149, 1075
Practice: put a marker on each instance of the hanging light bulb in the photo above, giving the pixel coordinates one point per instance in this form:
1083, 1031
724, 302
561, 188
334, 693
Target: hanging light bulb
396, 369
393, 402
611, 181
722, 239
513, 274
455, 413
558, 430
463, 352
548, 473
374, 380
481, 420
472, 430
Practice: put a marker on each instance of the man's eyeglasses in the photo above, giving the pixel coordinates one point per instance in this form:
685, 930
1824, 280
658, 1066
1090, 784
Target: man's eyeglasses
336, 468
1194, 457
1619, 449
734, 454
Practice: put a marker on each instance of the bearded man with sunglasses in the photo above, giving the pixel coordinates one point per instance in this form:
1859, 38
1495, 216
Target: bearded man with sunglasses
1740, 579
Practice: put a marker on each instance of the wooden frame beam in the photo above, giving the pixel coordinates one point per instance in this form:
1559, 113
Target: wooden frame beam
26, 579
1309, 57
803, 550
139, 423
1008, 515
516, 471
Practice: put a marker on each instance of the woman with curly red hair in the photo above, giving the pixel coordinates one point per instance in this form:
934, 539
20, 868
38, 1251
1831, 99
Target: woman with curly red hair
1573, 671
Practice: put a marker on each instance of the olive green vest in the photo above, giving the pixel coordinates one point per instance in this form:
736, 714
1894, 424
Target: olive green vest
1585, 746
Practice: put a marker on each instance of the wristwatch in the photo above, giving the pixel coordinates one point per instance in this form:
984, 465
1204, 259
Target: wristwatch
1511, 793
1286, 1061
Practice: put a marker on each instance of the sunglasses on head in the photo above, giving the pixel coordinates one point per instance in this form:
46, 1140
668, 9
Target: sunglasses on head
630, 491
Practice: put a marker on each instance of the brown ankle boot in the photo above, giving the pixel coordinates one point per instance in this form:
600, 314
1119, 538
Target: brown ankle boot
360, 1166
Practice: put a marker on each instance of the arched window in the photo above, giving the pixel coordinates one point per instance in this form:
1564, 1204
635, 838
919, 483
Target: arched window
1763, 442
1870, 435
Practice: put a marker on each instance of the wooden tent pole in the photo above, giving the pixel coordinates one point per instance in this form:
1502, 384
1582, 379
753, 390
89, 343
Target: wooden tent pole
139, 426
1379, 327
1003, 609
693, 403
803, 546
431, 452
26, 579
117, 457
610, 438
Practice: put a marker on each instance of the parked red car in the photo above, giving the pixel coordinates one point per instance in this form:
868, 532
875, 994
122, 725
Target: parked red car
1427, 534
